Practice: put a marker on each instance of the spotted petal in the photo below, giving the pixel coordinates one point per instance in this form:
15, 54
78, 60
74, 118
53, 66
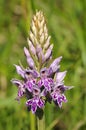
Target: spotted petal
34, 107
61, 98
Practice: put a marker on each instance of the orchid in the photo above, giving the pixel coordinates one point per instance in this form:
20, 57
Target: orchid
42, 80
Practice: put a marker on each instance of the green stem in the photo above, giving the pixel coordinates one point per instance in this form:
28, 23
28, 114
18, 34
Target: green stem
32, 122
41, 123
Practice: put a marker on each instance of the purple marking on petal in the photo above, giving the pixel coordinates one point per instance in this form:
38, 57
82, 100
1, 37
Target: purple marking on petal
61, 88
61, 98
50, 80
19, 70
29, 102
47, 85
43, 93
34, 107
54, 96
59, 103
20, 93
46, 82
21, 89
35, 74
29, 86
60, 76
64, 98
40, 103
40, 83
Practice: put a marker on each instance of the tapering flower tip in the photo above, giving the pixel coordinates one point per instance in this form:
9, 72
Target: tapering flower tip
19, 70
55, 64
39, 53
31, 47
56, 61
38, 28
68, 87
26, 52
29, 59
45, 31
48, 52
16, 82
38, 48
46, 45
42, 38
60, 76
32, 38
34, 30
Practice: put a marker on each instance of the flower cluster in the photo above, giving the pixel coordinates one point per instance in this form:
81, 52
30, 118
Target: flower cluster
42, 80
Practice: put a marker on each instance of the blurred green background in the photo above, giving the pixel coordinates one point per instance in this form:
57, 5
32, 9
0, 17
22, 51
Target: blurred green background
66, 22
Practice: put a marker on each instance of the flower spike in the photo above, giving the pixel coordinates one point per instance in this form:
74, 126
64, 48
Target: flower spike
42, 82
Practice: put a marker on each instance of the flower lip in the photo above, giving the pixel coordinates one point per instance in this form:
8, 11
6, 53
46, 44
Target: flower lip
36, 91
44, 72
28, 71
31, 73
18, 83
28, 74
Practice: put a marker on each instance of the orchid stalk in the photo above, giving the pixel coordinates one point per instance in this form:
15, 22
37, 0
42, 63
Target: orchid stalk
42, 80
